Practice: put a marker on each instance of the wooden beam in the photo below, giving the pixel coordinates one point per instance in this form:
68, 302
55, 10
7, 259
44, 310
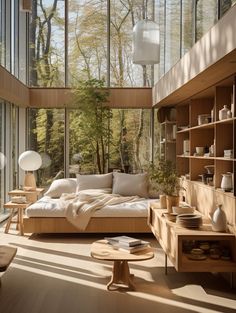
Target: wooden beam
12, 90
119, 97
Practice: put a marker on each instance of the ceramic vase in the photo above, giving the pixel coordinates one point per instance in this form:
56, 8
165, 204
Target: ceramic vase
227, 182
224, 113
218, 221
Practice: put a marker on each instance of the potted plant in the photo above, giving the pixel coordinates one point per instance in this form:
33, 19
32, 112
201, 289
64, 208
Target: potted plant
165, 179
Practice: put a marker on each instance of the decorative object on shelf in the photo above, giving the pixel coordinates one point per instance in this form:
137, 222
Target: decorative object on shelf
18, 199
224, 113
200, 151
30, 161
183, 209
212, 149
204, 119
163, 202
228, 154
189, 220
213, 115
218, 220
227, 182
186, 147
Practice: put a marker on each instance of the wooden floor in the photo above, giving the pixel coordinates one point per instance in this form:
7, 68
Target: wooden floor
55, 274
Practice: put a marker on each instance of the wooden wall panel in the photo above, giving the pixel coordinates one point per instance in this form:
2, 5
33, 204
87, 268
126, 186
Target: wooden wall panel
12, 90
119, 97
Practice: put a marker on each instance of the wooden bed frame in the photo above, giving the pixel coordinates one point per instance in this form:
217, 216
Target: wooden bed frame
96, 225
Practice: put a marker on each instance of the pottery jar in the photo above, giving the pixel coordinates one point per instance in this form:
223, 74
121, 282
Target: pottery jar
227, 182
223, 113
218, 221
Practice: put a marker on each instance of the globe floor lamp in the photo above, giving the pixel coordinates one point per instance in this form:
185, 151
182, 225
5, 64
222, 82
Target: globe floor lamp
30, 161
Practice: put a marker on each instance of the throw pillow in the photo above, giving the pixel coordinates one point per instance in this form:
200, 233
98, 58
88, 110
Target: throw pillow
130, 184
95, 181
59, 186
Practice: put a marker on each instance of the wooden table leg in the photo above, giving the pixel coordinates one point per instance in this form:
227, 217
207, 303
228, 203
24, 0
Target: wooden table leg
121, 275
21, 225
9, 221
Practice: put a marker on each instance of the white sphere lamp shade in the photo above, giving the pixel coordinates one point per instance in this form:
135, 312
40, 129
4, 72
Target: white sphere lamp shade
3, 161
30, 161
146, 43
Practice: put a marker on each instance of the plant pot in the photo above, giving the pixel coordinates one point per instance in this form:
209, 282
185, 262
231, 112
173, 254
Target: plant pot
163, 202
171, 201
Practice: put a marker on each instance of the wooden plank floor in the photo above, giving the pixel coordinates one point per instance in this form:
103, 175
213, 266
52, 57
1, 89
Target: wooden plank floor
55, 274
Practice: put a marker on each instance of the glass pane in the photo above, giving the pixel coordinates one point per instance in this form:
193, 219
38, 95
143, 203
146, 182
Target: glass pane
187, 25
46, 41
124, 15
225, 5
87, 40
129, 149
172, 43
159, 69
46, 136
22, 47
206, 16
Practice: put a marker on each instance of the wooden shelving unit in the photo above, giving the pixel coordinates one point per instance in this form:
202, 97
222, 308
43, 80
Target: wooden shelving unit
221, 133
168, 141
172, 237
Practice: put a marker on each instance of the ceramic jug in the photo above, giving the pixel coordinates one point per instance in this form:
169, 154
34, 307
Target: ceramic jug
227, 182
224, 113
218, 220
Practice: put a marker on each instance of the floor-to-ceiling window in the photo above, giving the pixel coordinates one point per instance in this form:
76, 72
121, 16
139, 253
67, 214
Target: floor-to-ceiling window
2, 157
46, 136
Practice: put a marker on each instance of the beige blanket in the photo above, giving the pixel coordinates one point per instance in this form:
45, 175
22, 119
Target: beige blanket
81, 206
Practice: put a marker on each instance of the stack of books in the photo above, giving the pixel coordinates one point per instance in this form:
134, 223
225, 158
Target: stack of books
127, 244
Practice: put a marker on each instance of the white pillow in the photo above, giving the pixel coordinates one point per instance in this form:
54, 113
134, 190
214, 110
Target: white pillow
59, 186
130, 184
95, 181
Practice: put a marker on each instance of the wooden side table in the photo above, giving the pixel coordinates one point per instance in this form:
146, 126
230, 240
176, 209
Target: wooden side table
102, 250
19, 207
31, 196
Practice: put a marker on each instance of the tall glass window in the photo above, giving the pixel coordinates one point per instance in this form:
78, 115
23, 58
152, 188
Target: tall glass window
46, 136
2, 157
187, 25
206, 14
172, 33
47, 45
87, 40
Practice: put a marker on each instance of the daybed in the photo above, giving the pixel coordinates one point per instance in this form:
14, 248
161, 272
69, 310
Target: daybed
49, 215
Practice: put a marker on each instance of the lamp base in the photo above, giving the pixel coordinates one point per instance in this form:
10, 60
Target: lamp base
29, 182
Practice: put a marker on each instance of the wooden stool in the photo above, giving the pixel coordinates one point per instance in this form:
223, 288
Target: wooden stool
7, 254
19, 207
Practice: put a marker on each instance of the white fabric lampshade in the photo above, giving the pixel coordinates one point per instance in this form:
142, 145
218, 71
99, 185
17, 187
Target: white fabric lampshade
146, 43
3, 161
30, 160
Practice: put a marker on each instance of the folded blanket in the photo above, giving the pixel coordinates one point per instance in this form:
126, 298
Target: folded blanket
81, 206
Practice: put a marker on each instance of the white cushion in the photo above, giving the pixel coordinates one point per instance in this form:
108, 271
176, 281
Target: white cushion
59, 186
130, 184
96, 181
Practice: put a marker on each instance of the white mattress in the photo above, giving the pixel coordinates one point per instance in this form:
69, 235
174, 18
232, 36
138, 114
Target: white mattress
48, 207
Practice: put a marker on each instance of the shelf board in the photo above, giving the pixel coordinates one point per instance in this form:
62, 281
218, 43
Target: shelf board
168, 141
204, 158
168, 122
208, 125
207, 265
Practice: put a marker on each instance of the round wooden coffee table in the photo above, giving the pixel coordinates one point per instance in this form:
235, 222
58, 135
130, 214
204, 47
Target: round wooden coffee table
102, 250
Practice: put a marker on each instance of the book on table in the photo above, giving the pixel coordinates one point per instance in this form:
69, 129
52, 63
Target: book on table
124, 240
142, 246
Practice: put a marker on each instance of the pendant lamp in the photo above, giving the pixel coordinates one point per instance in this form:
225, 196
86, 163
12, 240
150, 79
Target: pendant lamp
146, 43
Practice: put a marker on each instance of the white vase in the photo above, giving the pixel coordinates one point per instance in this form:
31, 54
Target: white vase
218, 221
224, 113
227, 182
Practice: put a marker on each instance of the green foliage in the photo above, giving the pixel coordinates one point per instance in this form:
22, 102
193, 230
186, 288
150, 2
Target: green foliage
91, 101
165, 178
